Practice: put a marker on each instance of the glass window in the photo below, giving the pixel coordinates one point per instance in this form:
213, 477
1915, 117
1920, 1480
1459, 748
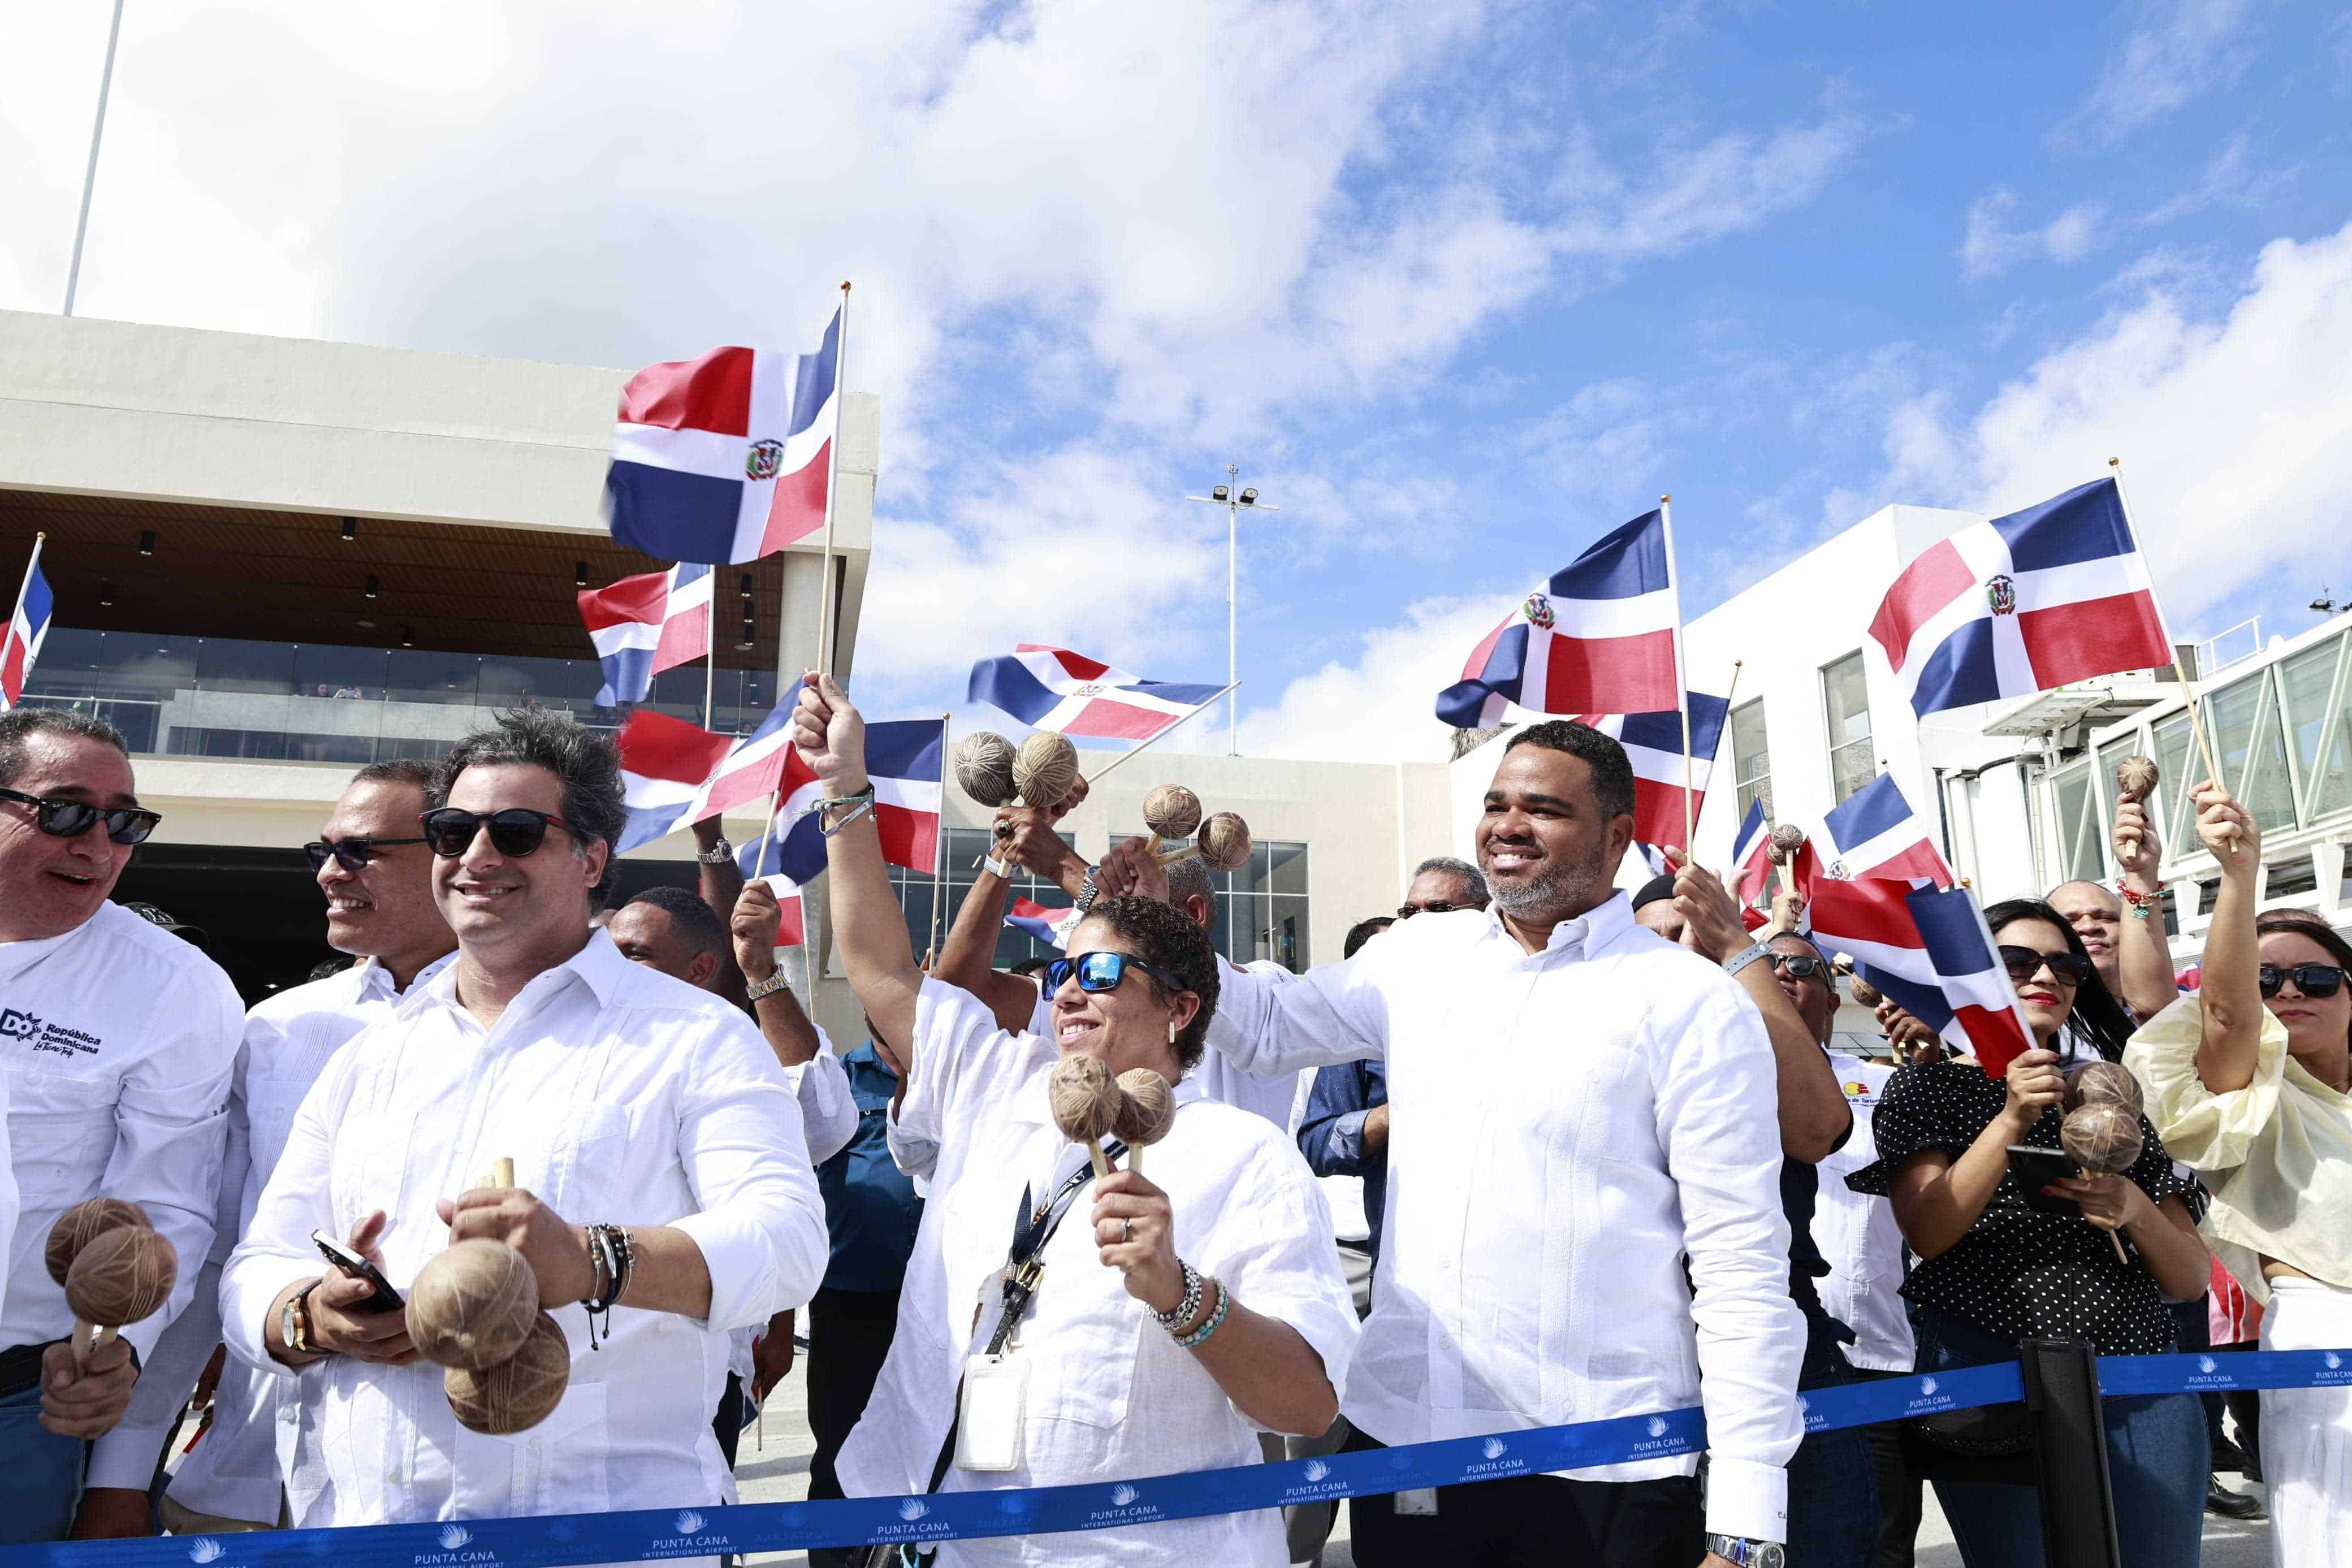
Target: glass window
569, 685
2079, 837
1852, 762
965, 847
1262, 910
2316, 725
1751, 757
414, 675
2252, 750
2176, 761
2287, 878
323, 670
234, 664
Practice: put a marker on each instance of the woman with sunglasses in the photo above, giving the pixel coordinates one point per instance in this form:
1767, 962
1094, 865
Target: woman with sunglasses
2251, 1081
2001, 1263
1135, 1327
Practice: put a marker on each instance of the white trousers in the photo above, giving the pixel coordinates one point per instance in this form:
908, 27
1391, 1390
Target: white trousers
2307, 1432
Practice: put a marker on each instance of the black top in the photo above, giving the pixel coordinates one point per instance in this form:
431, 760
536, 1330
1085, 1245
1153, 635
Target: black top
2019, 1270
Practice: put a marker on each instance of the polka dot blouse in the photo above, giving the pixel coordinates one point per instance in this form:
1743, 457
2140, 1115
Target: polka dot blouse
2020, 1270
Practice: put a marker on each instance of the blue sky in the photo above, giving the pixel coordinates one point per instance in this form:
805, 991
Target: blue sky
1460, 285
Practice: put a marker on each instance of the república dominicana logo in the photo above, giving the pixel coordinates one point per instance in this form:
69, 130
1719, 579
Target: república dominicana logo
765, 459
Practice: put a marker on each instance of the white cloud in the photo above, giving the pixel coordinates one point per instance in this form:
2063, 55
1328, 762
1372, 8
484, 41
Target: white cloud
2230, 180
1379, 705
2178, 51
1990, 247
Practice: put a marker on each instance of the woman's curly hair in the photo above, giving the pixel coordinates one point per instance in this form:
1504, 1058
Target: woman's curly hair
1166, 938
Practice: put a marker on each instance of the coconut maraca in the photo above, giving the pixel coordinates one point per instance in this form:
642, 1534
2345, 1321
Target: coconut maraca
473, 1305
1045, 769
984, 769
2136, 779
1787, 839
1222, 845
1147, 1109
1170, 811
1085, 1100
2102, 1138
78, 1226
2105, 1082
119, 1277
517, 1394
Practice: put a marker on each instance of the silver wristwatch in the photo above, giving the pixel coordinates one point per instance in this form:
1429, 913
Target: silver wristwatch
719, 853
1086, 891
767, 987
1745, 1554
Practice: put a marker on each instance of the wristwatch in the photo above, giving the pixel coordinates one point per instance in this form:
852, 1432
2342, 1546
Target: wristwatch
1746, 1553
719, 853
767, 987
1086, 891
294, 1322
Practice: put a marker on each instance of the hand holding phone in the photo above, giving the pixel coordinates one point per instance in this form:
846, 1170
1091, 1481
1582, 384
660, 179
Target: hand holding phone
353, 1266
2035, 1169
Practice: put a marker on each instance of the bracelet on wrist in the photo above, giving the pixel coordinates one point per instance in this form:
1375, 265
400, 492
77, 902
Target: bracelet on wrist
767, 987
1200, 1336
1187, 1307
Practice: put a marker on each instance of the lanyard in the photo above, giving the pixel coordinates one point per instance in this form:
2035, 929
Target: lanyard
1032, 1227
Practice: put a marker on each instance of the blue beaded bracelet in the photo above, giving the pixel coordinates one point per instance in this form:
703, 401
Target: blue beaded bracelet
1200, 1336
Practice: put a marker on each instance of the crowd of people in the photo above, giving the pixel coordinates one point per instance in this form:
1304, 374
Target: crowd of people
1534, 1152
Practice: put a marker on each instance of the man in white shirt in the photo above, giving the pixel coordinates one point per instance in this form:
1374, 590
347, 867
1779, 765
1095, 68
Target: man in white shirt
371, 865
626, 1100
118, 1039
1578, 1107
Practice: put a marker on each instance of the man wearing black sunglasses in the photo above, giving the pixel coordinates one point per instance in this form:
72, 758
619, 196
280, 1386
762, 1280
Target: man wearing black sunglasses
118, 1039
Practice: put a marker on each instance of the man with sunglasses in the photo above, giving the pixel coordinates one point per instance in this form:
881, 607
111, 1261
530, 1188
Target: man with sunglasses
375, 876
1442, 884
118, 1039
658, 1155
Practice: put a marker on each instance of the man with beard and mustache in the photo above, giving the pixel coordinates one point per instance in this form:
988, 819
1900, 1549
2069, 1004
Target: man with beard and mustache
1580, 1105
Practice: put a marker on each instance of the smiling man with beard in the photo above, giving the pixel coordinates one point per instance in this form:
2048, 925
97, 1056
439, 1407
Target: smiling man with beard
1578, 1107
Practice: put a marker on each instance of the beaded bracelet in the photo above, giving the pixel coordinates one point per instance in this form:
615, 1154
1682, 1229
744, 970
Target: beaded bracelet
2139, 902
1200, 1336
1184, 1310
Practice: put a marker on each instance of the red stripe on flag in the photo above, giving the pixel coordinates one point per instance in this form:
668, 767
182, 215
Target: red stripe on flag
909, 839
713, 393
796, 508
781, 771
1475, 666
656, 746
792, 927
1920, 590
1999, 1038
1078, 665
637, 601
684, 639
1613, 675
12, 669
2092, 637
1103, 719
1658, 812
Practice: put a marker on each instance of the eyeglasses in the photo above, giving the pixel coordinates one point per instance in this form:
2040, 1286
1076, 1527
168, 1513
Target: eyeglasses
351, 855
2311, 979
516, 831
1434, 906
1804, 965
72, 818
1099, 972
2024, 963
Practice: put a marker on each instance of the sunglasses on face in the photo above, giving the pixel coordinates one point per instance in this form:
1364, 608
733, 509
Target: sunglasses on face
515, 833
1098, 971
2311, 979
72, 818
351, 855
1803, 966
1434, 906
2024, 963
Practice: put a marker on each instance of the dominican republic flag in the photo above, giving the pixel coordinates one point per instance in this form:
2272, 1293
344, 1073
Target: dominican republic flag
1052, 688
2022, 604
904, 760
674, 773
1654, 744
726, 458
1874, 833
1752, 854
1041, 923
1599, 636
792, 922
26, 630
1931, 954
644, 626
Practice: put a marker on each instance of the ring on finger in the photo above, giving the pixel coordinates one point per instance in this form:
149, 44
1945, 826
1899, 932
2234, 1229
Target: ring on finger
1127, 1231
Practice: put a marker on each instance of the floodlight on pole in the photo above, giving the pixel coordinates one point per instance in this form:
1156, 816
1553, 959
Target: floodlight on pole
1225, 495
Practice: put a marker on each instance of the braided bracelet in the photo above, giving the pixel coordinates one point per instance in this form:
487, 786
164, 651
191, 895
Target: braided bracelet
1200, 1336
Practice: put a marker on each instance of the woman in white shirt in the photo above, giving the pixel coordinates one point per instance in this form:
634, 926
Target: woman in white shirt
1174, 1318
2248, 1081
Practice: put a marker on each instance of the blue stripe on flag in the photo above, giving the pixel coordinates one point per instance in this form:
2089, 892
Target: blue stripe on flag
39, 601
1962, 670
628, 676
1922, 1001
1948, 925
1463, 704
672, 516
1008, 684
1751, 831
815, 382
1174, 692
2086, 523
1623, 563
1876, 807
909, 748
1664, 731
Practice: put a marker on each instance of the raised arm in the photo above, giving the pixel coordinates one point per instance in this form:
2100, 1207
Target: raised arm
2143, 953
2231, 998
866, 920
751, 926
721, 883
967, 960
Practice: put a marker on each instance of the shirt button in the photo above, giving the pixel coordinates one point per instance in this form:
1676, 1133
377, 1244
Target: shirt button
289, 1414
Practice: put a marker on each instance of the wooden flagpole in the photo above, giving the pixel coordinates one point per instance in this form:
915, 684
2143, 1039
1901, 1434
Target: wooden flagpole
710, 659
940, 871
1682, 686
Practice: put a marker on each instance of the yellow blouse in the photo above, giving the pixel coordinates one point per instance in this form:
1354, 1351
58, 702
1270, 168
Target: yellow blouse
2277, 1152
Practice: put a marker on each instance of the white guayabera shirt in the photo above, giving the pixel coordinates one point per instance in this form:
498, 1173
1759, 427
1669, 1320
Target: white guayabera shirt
622, 1096
1565, 1127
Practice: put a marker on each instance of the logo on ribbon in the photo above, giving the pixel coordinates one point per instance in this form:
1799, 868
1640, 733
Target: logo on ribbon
2206, 1363
689, 1521
1494, 1447
913, 1508
205, 1548
1317, 1470
1657, 1425
453, 1536
1121, 1495
1927, 1386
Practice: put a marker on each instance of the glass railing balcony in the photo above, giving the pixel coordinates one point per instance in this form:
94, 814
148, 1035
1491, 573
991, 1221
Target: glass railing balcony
286, 702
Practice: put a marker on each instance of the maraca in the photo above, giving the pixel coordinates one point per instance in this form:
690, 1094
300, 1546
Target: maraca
984, 766
2102, 1138
1045, 769
1170, 811
116, 1268
2135, 778
473, 1311
1085, 1102
2107, 1083
1147, 1109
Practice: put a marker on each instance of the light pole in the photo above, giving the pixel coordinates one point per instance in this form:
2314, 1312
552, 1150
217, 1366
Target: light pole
1232, 499
89, 176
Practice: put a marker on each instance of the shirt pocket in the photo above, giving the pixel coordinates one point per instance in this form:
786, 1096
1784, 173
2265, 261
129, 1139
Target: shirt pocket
61, 1132
557, 1467
270, 1105
369, 1169
570, 1157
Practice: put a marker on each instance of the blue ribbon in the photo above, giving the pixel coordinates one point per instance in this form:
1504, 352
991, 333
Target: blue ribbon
552, 1541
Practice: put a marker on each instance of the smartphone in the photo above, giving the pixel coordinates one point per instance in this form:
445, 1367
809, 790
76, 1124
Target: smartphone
351, 1266
2035, 1169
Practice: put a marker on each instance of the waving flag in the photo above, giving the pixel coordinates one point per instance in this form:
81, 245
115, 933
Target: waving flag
726, 458
27, 629
1599, 636
1038, 922
673, 772
1874, 833
2022, 604
792, 922
1654, 744
644, 626
904, 760
1930, 952
1052, 688
1752, 854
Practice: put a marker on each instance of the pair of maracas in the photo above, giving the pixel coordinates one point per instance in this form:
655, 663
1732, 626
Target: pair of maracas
473, 1311
1042, 770
1137, 1107
117, 1268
